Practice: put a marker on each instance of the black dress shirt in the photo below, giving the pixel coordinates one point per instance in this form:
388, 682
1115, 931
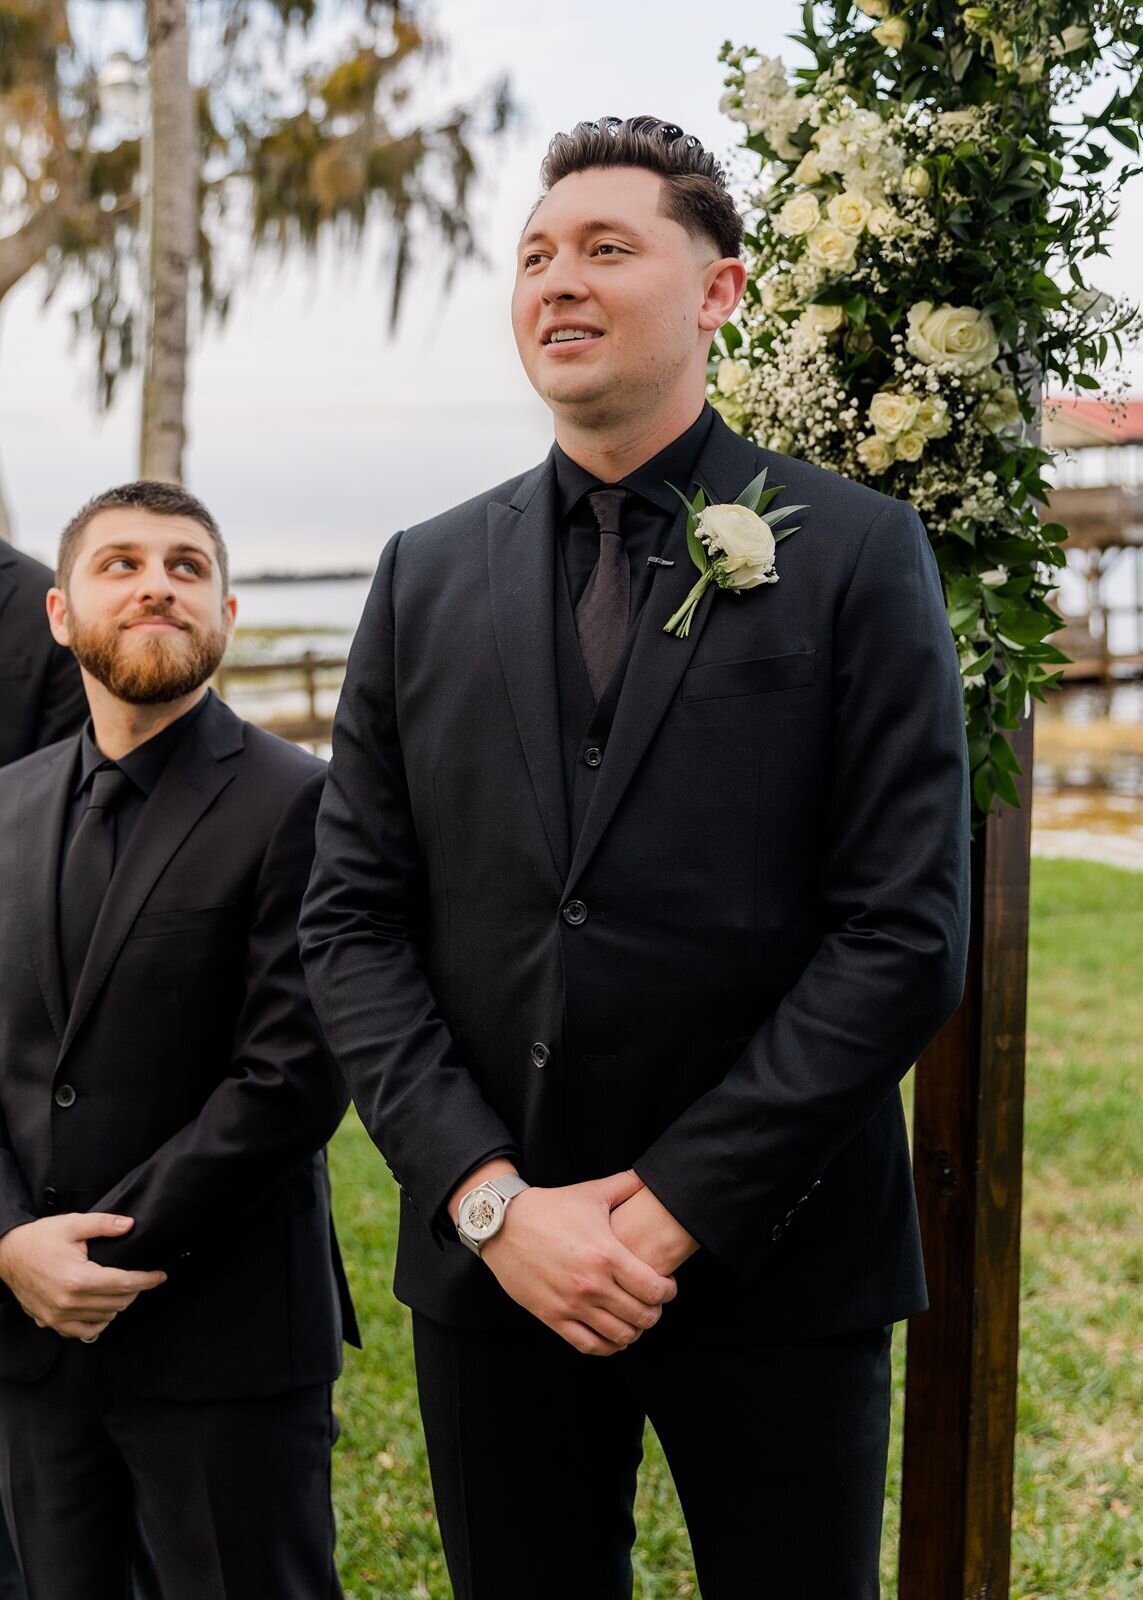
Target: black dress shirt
648, 513
143, 765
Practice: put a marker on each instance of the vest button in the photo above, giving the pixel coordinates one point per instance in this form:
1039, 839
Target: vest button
64, 1096
592, 756
50, 1197
575, 912
540, 1054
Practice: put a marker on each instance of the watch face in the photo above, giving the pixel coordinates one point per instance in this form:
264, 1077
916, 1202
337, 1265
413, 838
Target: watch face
483, 1214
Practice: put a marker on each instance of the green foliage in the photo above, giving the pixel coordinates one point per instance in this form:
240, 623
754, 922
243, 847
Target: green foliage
980, 180
293, 150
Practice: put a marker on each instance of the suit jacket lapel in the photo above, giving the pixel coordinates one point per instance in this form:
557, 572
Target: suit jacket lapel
521, 580
40, 826
7, 578
190, 782
659, 660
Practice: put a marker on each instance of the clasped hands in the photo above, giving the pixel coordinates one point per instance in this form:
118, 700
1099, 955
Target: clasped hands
46, 1266
593, 1261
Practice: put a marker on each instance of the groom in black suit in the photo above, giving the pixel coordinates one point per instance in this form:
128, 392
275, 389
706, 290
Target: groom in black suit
624, 940
169, 1291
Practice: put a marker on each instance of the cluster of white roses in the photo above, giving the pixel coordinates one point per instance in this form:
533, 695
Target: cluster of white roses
848, 201
953, 375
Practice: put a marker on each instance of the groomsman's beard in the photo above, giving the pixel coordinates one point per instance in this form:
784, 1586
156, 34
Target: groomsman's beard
148, 670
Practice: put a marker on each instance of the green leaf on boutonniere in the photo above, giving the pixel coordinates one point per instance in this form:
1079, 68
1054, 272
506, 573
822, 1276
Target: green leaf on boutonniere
695, 546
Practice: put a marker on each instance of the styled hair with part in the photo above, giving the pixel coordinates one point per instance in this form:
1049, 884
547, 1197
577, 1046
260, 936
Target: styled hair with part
165, 499
694, 185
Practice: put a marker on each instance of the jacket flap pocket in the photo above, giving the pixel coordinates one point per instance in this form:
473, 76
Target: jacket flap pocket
762, 676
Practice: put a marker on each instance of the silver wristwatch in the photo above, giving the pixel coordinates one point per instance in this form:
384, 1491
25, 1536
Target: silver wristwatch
480, 1215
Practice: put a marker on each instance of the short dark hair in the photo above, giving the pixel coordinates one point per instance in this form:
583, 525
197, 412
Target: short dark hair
166, 499
694, 185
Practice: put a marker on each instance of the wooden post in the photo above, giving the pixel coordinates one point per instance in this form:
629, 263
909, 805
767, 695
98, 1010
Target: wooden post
960, 1379
309, 662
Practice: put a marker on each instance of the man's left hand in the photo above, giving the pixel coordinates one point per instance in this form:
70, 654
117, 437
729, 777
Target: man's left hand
649, 1231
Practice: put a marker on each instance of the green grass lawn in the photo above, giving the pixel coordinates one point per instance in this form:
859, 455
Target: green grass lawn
1078, 1533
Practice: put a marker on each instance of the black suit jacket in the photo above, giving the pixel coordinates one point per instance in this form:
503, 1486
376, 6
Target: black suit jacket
41, 691
762, 922
189, 1087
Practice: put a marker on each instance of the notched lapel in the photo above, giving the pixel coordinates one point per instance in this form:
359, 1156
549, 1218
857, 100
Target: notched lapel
521, 581
192, 779
41, 815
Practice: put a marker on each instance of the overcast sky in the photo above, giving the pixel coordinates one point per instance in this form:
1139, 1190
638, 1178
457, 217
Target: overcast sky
313, 434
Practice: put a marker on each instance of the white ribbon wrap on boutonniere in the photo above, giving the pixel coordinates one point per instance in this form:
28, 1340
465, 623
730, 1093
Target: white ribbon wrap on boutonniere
733, 546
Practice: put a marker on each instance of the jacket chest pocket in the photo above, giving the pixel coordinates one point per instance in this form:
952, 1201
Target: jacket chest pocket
724, 680
12, 667
189, 924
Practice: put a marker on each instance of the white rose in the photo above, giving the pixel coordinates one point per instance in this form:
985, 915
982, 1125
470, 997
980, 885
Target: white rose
849, 211
875, 454
1000, 410
918, 182
893, 33
994, 578
1073, 38
874, 8
910, 446
829, 247
744, 541
731, 375
958, 337
891, 413
933, 418
807, 169
821, 319
881, 221
799, 215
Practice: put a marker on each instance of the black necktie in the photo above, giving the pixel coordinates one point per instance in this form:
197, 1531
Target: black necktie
87, 870
602, 613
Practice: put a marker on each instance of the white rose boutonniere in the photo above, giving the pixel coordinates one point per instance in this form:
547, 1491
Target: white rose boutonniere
731, 545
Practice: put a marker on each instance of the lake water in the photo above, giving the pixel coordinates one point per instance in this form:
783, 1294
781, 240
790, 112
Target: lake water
1089, 759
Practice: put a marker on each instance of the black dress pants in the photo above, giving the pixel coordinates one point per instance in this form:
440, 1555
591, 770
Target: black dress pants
232, 1497
777, 1451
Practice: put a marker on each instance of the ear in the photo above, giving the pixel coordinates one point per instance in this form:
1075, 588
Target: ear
57, 616
229, 612
724, 282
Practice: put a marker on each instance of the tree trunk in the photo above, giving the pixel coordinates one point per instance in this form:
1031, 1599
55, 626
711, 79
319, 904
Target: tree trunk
171, 242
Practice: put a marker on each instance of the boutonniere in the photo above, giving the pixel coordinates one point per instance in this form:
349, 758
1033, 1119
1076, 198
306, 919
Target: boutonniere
731, 545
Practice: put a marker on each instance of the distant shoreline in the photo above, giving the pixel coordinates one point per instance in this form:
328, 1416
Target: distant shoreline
344, 576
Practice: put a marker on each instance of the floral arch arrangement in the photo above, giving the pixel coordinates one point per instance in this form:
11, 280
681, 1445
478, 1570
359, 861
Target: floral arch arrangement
932, 189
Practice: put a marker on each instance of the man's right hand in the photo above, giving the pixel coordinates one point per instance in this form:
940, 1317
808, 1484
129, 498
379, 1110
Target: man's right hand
45, 1265
557, 1256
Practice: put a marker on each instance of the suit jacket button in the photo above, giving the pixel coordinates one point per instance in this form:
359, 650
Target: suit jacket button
540, 1055
50, 1196
575, 912
593, 755
64, 1096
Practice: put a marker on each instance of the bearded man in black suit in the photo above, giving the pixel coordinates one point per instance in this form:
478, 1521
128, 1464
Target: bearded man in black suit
170, 1322
624, 939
